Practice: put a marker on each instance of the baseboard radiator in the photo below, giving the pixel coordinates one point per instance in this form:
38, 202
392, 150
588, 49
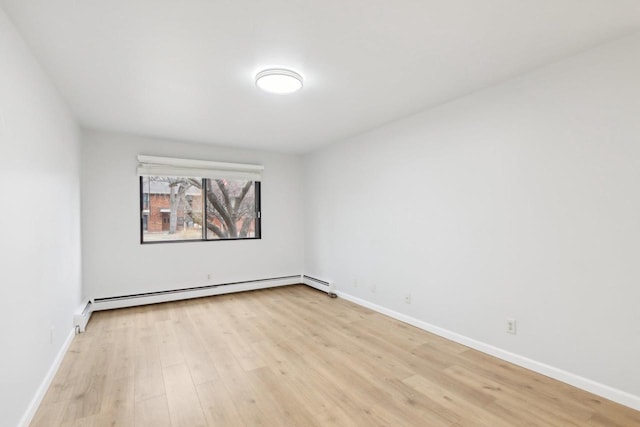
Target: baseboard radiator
320, 284
82, 316
133, 300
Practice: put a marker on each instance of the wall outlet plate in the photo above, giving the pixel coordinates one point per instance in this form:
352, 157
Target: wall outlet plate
511, 326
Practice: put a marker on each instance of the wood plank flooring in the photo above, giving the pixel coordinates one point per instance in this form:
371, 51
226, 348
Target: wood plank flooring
294, 357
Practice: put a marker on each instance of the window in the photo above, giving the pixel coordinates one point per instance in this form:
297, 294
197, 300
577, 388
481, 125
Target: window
211, 204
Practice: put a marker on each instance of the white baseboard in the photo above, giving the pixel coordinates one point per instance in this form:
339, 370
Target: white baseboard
46, 382
586, 384
198, 292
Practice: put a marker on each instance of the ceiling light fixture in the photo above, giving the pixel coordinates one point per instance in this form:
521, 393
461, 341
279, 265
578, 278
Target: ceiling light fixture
277, 80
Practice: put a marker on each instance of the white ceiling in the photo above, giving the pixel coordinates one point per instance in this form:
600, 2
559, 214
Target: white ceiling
185, 69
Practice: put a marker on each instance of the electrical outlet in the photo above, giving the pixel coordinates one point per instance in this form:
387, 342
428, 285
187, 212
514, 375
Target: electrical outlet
407, 298
209, 277
511, 326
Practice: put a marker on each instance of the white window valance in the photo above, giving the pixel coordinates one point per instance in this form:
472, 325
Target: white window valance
168, 166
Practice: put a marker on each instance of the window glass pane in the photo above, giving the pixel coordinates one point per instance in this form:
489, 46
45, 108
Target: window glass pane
171, 208
231, 209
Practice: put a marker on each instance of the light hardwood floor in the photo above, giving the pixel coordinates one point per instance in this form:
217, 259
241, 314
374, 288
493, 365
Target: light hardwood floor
294, 357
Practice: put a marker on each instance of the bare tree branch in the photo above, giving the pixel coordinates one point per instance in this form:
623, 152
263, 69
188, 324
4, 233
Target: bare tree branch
213, 199
198, 220
242, 195
246, 223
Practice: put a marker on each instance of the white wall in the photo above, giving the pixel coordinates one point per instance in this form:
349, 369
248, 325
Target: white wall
115, 263
40, 217
521, 201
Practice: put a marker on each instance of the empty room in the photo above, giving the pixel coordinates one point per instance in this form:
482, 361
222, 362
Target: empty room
320, 213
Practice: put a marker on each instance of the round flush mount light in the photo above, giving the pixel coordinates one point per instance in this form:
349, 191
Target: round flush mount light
278, 80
